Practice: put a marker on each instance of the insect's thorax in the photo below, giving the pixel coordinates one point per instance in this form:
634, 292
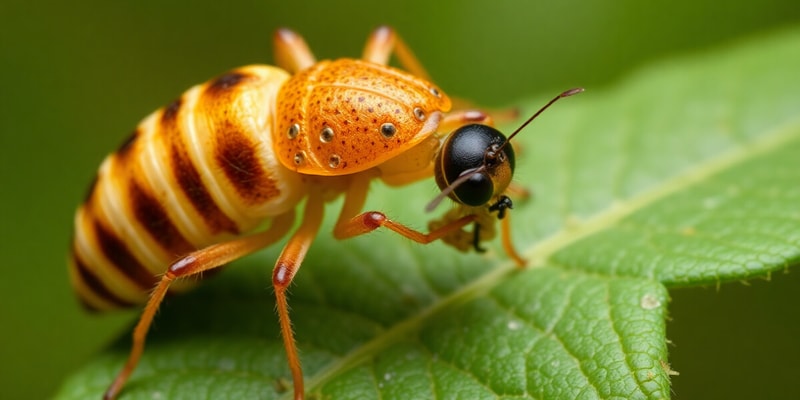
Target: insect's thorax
346, 116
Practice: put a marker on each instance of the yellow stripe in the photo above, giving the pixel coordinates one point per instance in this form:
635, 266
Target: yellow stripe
87, 249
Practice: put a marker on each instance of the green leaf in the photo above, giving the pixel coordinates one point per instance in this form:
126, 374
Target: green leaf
685, 174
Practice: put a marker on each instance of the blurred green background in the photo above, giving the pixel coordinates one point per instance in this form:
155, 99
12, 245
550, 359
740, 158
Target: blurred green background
77, 78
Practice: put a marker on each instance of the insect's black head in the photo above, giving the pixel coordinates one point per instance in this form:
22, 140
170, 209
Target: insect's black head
481, 156
476, 163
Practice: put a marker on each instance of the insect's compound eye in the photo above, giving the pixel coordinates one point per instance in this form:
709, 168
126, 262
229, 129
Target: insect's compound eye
475, 191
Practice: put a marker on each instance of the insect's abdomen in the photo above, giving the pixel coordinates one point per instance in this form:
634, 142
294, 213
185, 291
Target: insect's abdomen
193, 173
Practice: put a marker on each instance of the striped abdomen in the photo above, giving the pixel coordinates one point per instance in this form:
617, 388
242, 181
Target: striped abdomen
193, 173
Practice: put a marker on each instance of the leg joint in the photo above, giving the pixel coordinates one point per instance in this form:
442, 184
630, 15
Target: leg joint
373, 219
282, 274
182, 266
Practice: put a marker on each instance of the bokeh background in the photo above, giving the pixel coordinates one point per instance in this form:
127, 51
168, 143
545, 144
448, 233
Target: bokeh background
77, 77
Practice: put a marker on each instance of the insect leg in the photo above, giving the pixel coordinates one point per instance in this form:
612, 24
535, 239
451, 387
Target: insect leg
349, 224
458, 118
285, 268
291, 51
517, 191
196, 262
383, 42
476, 238
508, 244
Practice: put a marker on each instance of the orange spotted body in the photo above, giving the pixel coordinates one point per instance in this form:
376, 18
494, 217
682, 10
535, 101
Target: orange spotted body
187, 190
204, 168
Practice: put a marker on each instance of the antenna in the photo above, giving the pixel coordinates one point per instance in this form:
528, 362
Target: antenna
456, 183
470, 172
549, 103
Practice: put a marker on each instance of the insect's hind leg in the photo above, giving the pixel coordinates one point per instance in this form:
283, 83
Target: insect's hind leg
291, 51
196, 262
383, 42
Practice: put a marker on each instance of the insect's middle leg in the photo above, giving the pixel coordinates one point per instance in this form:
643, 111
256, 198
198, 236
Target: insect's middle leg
285, 269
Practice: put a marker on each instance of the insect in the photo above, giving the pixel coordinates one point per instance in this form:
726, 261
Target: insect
182, 193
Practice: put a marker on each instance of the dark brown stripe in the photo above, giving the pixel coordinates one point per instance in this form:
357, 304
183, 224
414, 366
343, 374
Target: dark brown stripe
170, 113
88, 307
152, 216
225, 83
125, 149
188, 177
118, 254
236, 155
96, 286
189, 180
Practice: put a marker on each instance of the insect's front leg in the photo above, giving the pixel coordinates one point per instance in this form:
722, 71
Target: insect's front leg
508, 244
501, 207
351, 224
482, 229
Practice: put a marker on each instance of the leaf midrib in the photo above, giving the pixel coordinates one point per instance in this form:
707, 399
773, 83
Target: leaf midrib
572, 231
